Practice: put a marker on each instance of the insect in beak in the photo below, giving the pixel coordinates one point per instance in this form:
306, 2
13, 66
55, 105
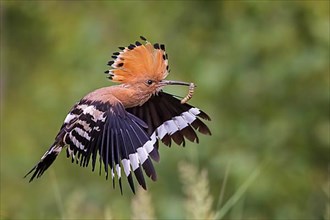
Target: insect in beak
190, 92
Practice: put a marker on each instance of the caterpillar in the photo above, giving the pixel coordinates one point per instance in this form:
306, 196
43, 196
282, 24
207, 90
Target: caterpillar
190, 93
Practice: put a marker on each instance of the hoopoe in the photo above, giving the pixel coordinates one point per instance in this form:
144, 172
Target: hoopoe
121, 125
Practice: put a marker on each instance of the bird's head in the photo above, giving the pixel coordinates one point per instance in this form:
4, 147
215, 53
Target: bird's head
144, 66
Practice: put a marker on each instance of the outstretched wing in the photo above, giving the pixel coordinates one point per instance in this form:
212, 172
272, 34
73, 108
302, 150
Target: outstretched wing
117, 136
168, 120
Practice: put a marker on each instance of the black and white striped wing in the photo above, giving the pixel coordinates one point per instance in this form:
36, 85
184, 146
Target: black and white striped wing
117, 136
168, 120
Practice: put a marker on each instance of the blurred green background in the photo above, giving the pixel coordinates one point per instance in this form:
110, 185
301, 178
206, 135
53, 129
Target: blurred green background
262, 70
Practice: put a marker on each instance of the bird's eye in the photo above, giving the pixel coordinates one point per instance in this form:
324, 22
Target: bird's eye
149, 82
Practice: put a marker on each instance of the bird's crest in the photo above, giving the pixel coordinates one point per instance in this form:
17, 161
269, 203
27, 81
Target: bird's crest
138, 61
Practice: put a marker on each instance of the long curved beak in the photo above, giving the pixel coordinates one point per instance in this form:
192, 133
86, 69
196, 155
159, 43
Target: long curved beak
172, 82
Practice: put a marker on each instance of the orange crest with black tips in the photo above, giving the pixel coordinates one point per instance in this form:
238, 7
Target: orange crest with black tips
139, 61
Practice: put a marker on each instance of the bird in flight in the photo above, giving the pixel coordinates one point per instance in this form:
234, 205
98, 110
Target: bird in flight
121, 125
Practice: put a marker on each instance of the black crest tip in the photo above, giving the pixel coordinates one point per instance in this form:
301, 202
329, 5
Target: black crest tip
131, 46
137, 43
156, 46
143, 38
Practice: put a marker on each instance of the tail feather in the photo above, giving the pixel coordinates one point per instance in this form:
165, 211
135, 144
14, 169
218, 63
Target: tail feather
47, 159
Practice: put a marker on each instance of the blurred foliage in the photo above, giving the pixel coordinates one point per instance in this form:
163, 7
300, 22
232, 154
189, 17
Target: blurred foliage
262, 70
198, 204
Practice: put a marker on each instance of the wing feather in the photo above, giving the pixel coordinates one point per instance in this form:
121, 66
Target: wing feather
115, 138
168, 119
